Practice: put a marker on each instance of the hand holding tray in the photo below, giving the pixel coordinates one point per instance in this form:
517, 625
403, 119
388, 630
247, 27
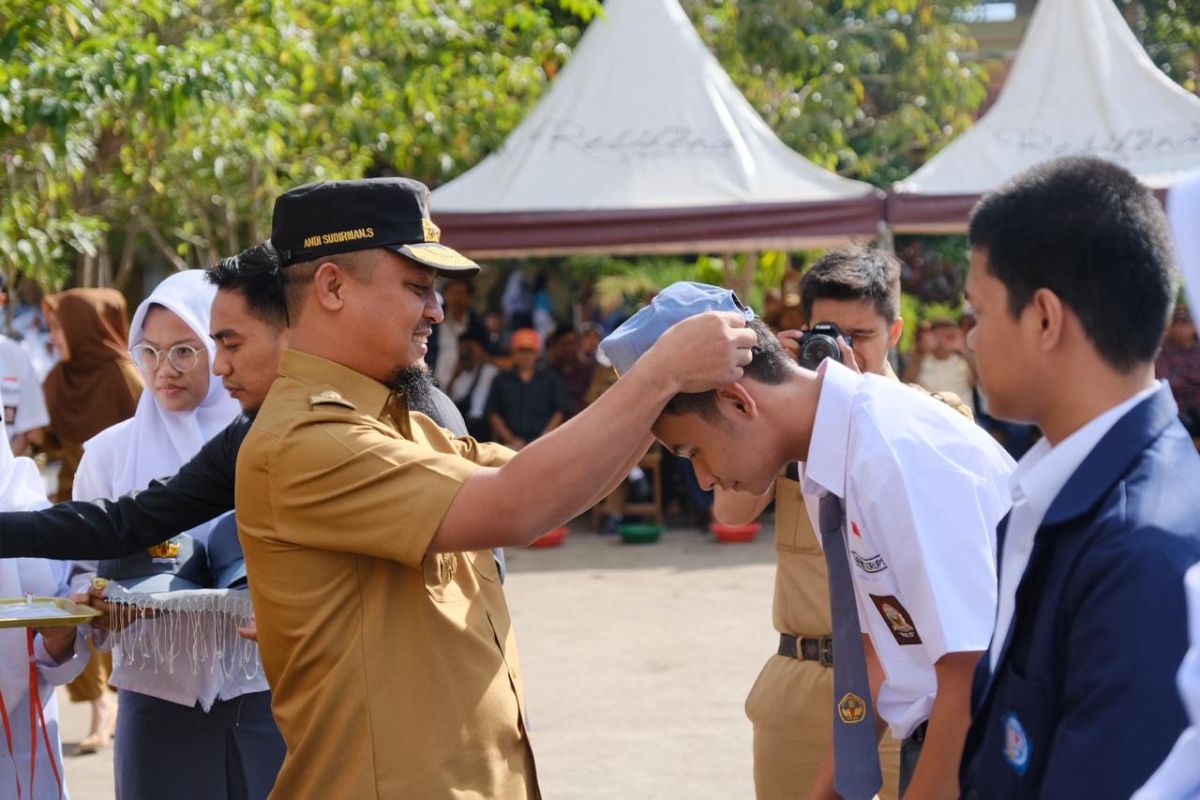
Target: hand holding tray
43, 612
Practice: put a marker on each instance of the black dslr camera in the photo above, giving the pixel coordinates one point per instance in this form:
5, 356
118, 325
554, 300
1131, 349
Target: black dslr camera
819, 343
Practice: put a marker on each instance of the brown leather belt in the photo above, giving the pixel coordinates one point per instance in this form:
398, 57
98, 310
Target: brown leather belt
807, 648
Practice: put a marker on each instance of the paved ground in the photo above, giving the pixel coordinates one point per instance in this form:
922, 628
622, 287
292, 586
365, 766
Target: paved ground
636, 659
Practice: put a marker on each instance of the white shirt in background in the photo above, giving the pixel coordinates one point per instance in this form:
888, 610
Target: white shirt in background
24, 403
1037, 480
924, 489
447, 358
487, 373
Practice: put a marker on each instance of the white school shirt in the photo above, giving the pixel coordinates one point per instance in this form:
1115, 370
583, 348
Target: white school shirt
24, 403
923, 489
1037, 480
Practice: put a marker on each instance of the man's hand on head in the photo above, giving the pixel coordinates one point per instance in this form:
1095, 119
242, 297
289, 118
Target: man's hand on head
702, 352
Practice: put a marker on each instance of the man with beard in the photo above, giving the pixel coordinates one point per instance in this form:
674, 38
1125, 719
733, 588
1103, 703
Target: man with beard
249, 324
381, 622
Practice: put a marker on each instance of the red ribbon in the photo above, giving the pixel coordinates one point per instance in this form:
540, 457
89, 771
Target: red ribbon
36, 716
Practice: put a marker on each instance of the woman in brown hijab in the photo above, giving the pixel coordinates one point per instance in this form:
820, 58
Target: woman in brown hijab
94, 385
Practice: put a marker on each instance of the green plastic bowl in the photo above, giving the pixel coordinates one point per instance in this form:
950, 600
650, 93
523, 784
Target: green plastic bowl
640, 533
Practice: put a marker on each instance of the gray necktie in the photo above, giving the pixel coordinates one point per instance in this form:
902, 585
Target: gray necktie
855, 748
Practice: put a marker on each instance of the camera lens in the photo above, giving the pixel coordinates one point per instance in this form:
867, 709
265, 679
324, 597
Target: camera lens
816, 347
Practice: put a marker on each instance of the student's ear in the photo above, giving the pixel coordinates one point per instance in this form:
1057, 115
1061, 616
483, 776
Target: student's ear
1049, 314
734, 400
894, 332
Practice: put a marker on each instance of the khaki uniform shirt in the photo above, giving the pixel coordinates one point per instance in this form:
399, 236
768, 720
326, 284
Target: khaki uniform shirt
394, 672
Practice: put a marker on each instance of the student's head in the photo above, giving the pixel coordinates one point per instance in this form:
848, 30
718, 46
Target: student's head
858, 289
169, 343
1071, 267
725, 432
359, 260
174, 360
249, 323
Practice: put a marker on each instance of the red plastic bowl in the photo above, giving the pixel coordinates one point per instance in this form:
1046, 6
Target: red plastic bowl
730, 534
552, 539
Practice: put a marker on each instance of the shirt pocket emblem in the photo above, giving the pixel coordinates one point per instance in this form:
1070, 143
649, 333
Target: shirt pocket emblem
440, 570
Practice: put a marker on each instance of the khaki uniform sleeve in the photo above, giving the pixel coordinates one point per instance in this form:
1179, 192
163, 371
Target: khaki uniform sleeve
485, 454
346, 486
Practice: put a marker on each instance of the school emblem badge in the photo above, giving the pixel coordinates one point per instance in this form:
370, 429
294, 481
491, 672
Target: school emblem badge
851, 708
898, 619
1016, 744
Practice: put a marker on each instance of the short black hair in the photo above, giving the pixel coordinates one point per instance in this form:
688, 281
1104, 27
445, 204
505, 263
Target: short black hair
854, 273
1088, 231
254, 273
769, 364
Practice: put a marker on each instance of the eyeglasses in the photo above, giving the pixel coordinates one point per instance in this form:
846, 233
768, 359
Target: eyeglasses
181, 357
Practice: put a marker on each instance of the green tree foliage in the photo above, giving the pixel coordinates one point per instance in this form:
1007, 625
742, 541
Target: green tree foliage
863, 87
162, 129
1170, 32
158, 131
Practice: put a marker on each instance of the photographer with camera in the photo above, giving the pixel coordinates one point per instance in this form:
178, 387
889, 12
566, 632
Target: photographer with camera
910, 488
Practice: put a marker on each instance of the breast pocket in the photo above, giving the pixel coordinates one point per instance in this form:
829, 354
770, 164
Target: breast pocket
441, 571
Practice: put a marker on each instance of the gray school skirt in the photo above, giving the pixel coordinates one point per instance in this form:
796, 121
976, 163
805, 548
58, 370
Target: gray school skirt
165, 751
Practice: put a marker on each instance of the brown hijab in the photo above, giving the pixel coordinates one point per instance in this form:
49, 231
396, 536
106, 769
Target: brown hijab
98, 385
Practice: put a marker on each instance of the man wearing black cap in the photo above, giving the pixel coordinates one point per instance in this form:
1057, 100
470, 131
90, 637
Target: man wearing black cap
383, 629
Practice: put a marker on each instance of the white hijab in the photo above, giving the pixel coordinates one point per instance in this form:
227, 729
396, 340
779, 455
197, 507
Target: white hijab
21, 489
159, 442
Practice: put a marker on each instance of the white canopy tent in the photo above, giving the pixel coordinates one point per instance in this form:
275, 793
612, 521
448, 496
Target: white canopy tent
644, 144
1081, 84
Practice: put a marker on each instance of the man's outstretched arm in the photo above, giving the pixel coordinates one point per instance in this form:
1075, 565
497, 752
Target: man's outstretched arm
200, 491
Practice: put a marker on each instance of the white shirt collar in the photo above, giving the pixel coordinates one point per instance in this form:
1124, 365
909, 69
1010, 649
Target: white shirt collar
825, 470
1044, 470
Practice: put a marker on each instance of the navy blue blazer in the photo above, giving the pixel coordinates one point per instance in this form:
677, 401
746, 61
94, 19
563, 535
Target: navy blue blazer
1083, 702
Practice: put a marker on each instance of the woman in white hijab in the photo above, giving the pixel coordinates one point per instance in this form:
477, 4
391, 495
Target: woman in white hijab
189, 726
59, 654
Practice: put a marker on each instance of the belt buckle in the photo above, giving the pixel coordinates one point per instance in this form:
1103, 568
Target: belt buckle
825, 651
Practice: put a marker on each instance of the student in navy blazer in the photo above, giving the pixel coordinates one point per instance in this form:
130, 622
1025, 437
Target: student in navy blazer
1072, 280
